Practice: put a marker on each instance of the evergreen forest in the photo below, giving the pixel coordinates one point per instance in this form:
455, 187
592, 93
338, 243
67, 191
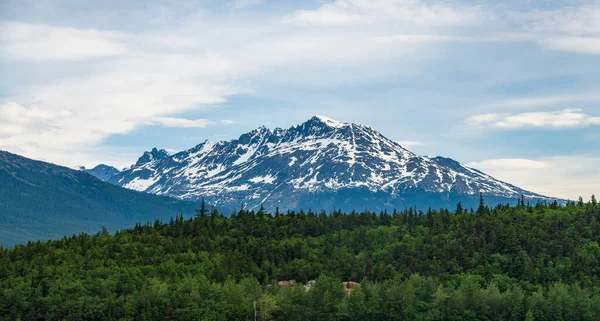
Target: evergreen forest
523, 262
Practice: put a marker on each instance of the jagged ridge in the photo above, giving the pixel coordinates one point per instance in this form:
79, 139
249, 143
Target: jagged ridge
343, 162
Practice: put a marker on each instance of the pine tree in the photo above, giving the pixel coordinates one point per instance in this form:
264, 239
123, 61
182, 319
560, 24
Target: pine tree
214, 212
459, 208
203, 211
481, 209
529, 316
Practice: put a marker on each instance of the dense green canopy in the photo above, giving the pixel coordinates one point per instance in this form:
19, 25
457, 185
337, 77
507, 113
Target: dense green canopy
538, 262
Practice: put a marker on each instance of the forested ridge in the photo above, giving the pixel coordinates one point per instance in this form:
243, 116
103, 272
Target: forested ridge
524, 262
41, 201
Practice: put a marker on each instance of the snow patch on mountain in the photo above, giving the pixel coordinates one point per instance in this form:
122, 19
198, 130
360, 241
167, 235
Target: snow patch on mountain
140, 184
330, 122
319, 157
267, 179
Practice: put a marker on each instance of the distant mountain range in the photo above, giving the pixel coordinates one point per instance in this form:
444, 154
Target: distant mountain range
40, 201
102, 172
105, 172
320, 164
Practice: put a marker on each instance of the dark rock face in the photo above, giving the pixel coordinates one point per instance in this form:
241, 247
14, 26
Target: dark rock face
320, 164
153, 155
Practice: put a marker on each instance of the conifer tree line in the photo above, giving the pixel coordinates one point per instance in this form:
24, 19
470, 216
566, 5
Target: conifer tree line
524, 262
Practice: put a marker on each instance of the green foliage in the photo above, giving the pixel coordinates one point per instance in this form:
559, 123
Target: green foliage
505, 263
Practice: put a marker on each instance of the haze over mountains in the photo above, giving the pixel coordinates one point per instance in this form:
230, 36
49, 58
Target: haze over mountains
102, 172
320, 164
40, 201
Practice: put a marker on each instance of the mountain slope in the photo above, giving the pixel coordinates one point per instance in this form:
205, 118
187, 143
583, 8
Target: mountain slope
39, 200
101, 172
321, 163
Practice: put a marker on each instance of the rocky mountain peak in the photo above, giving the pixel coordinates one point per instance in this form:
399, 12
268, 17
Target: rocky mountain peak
153, 155
318, 163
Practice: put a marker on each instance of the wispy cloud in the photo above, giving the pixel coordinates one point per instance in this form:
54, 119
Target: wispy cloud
410, 143
511, 164
444, 37
17, 120
186, 123
348, 12
119, 80
573, 19
148, 77
585, 45
558, 176
25, 41
75, 113
540, 101
560, 119
241, 4
181, 122
573, 28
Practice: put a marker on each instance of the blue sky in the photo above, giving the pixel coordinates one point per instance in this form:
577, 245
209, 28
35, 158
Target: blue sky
509, 88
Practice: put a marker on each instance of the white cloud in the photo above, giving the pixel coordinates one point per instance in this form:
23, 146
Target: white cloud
186, 123
181, 122
69, 115
241, 4
147, 80
573, 28
349, 12
560, 119
410, 143
194, 62
511, 164
24, 41
484, 118
16, 119
421, 38
326, 16
573, 20
443, 37
550, 100
560, 176
586, 45
151, 76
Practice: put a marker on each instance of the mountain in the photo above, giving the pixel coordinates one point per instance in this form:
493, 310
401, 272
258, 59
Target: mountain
320, 164
40, 201
151, 156
102, 172
105, 172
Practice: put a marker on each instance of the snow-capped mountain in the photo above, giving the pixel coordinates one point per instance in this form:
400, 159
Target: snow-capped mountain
102, 171
321, 163
151, 156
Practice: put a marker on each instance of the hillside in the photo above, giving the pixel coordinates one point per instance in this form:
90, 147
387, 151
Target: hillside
43, 201
527, 262
321, 163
